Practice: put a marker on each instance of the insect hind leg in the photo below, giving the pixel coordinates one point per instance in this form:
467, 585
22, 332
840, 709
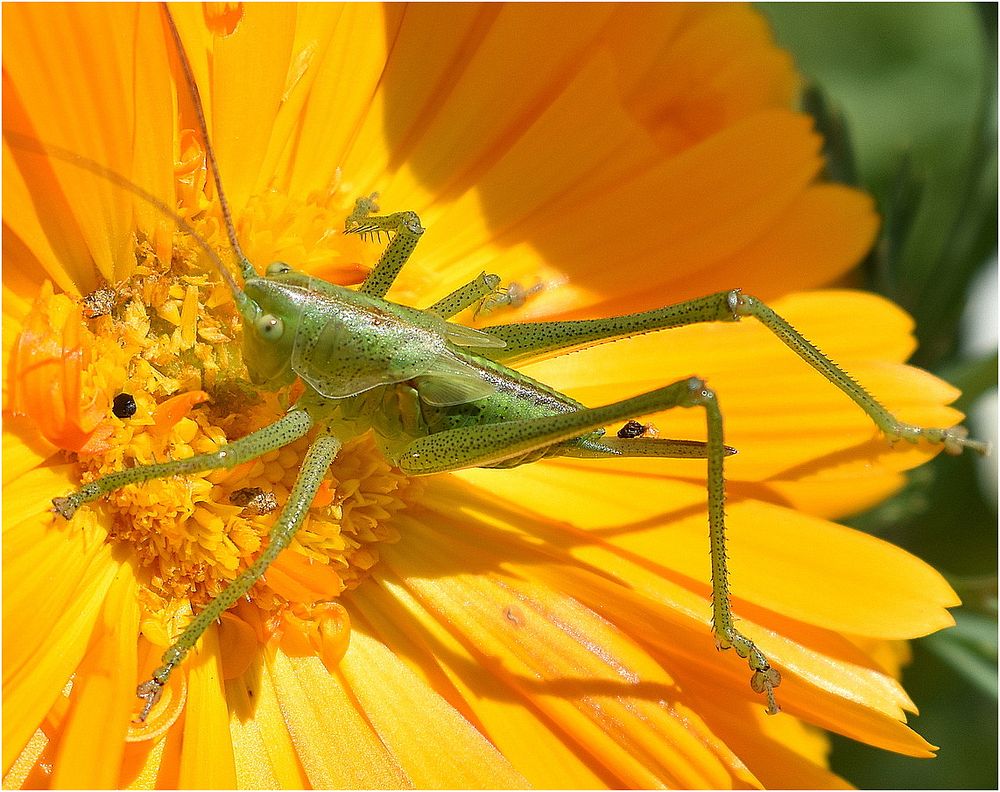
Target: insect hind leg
659, 447
487, 445
531, 341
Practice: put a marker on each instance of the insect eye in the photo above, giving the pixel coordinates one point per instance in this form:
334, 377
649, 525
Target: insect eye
270, 326
278, 268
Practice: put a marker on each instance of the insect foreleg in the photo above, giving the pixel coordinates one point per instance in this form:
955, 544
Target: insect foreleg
321, 453
465, 296
405, 230
489, 444
542, 339
282, 432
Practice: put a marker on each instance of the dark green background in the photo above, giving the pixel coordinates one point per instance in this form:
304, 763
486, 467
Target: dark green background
907, 98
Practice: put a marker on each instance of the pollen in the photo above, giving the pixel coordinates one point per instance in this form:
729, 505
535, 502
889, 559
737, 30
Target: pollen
170, 339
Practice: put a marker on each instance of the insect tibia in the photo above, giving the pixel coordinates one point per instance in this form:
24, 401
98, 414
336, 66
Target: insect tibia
954, 440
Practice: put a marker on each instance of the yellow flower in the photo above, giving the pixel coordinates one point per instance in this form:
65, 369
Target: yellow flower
546, 625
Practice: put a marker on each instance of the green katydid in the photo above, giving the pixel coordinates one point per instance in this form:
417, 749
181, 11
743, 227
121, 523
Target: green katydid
439, 396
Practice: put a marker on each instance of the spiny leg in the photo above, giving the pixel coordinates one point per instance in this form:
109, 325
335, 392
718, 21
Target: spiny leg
321, 454
660, 447
466, 295
764, 678
489, 444
406, 231
537, 340
289, 428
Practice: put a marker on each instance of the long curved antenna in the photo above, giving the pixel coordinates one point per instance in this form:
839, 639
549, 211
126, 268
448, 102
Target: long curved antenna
16, 139
246, 267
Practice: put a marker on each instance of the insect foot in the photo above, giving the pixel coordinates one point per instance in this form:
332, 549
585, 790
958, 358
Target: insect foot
765, 677
363, 207
150, 691
65, 507
955, 440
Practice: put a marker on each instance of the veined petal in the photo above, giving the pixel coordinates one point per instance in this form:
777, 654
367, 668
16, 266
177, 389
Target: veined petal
53, 589
103, 695
317, 704
95, 70
383, 686
664, 521
532, 744
576, 668
207, 757
265, 755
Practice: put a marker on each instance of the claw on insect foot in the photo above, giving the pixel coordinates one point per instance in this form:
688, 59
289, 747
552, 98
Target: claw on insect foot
64, 507
765, 681
150, 691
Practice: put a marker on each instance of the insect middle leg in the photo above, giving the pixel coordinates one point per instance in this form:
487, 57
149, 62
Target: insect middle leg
491, 444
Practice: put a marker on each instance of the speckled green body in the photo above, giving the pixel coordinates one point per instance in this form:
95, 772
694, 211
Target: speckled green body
440, 396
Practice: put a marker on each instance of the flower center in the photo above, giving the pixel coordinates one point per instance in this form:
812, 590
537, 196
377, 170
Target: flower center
165, 342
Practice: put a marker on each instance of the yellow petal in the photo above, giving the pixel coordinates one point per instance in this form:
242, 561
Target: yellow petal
103, 697
384, 687
54, 584
266, 757
318, 708
207, 757
528, 741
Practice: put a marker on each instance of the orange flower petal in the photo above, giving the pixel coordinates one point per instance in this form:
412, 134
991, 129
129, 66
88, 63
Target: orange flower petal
169, 412
46, 369
266, 757
298, 578
384, 687
103, 697
207, 759
102, 129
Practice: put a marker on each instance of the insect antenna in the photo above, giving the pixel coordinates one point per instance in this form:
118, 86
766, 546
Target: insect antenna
17, 140
213, 164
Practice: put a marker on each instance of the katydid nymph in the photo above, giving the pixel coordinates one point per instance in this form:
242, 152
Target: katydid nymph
439, 396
